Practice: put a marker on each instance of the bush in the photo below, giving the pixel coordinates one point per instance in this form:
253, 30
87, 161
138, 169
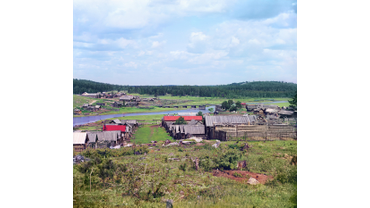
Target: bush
182, 167
236, 174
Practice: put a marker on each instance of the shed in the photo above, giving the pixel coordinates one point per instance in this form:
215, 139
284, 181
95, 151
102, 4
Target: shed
80, 140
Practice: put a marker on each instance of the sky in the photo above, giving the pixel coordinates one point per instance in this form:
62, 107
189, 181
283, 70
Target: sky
178, 42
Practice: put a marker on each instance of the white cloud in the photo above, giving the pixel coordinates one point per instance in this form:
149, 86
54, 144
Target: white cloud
131, 64
123, 43
156, 44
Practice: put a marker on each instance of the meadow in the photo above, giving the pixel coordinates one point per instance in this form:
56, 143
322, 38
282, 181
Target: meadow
120, 178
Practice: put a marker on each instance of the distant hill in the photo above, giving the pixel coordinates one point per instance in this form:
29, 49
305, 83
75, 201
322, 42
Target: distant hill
271, 89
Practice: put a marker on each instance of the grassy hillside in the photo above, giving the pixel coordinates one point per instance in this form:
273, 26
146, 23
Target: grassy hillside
120, 178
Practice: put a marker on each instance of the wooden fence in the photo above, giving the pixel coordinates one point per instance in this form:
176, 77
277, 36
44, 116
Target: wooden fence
255, 132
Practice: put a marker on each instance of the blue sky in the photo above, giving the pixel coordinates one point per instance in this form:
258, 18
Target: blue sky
161, 42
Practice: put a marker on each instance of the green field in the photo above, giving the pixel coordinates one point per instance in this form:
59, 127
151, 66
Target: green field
146, 134
120, 178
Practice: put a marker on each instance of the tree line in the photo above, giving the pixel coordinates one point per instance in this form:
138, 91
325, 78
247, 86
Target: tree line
258, 89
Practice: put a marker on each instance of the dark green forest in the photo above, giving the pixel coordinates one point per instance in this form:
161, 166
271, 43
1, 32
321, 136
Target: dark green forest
260, 89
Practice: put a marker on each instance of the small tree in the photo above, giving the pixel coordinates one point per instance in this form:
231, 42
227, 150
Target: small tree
230, 102
233, 108
180, 120
200, 113
225, 105
238, 104
293, 102
211, 110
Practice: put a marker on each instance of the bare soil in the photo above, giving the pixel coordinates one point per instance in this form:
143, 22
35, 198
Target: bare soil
246, 175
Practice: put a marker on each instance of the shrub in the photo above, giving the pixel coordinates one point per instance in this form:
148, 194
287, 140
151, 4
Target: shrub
182, 167
236, 174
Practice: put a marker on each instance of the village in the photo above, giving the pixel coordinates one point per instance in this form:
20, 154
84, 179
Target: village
256, 122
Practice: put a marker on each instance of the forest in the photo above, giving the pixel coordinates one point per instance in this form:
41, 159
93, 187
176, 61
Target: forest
258, 89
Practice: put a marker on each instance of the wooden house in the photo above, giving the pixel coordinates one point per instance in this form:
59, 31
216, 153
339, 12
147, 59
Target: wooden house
212, 121
186, 131
106, 139
77, 111
117, 104
126, 98
80, 140
131, 104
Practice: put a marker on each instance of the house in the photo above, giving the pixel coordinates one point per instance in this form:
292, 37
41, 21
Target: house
80, 140
116, 127
202, 107
97, 107
287, 114
194, 122
106, 138
126, 98
251, 107
185, 106
117, 104
131, 104
77, 111
186, 131
85, 105
167, 120
116, 121
133, 123
212, 121
244, 104
92, 95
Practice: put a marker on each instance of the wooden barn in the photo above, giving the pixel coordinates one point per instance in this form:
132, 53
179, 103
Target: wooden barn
80, 140
212, 121
117, 105
77, 112
106, 139
186, 131
126, 98
131, 104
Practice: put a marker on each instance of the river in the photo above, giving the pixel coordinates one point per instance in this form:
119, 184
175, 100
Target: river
90, 119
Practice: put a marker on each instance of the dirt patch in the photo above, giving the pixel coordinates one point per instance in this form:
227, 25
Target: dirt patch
199, 144
155, 126
245, 175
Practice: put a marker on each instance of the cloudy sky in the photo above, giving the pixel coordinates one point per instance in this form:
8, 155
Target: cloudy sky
161, 42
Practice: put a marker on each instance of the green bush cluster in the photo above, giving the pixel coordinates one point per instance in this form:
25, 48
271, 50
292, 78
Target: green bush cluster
222, 159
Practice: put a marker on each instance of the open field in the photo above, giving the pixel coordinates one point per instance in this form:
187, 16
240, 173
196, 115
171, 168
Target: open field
148, 133
120, 178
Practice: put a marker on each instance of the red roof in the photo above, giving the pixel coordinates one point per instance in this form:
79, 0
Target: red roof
244, 103
186, 118
121, 128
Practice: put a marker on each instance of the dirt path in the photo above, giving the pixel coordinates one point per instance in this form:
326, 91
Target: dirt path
229, 174
92, 102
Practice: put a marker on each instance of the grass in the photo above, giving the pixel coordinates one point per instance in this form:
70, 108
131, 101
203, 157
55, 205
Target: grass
146, 134
187, 187
78, 100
